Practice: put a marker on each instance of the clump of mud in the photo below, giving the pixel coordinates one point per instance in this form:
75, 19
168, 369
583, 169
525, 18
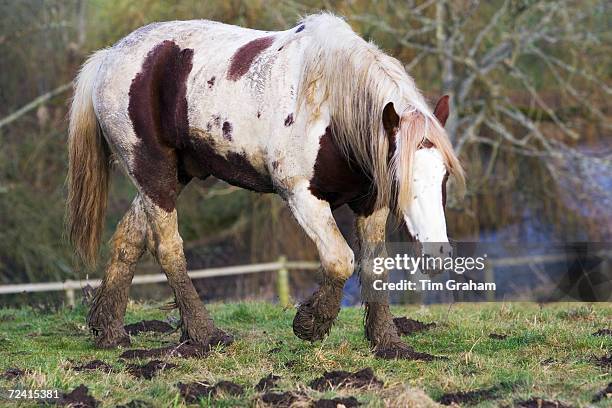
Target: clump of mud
182, 350
136, 404
536, 402
360, 379
193, 392
497, 336
267, 383
403, 353
150, 369
603, 332
283, 399
468, 397
13, 373
94, 365
79, 397
349, 402
406, 326
604, 361
148, 326
606, 393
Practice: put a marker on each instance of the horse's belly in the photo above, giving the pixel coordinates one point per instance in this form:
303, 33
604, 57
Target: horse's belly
202, 159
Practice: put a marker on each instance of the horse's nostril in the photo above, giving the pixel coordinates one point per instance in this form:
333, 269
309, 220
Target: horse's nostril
441, 249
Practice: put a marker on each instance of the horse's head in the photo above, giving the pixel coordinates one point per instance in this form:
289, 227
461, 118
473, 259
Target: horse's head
422, 164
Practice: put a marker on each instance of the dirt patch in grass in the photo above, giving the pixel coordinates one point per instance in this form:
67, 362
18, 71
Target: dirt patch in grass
404, 353
497, 336
193, 392
536, 402
12, 373
94, 365
274, 350
603, 332
469, 397
79, 397
343, 379
267, 383
150, 369
183, 350
604, 361
406, 326
291, 363
349, 402
136, 404
606, 393
283, 399
148, 326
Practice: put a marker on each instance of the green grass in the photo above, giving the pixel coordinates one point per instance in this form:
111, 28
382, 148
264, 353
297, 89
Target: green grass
548, 353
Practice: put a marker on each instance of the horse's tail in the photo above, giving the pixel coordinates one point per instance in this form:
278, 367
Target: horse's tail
88, 169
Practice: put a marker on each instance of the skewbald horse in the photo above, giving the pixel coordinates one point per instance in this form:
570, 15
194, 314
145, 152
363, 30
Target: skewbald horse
314, 114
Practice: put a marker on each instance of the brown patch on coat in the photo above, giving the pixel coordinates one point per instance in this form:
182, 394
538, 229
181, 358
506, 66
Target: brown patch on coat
202, 159
340, 181
289, 120
444, 181
158, 111
211, 82
243, 58
227, 130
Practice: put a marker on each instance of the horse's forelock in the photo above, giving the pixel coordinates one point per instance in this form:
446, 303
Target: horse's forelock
415, 127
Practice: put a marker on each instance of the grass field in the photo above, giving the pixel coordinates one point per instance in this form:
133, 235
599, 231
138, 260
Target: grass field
549, 352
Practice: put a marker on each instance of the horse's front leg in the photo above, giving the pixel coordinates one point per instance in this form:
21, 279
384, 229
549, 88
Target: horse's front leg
379, 327
316, 315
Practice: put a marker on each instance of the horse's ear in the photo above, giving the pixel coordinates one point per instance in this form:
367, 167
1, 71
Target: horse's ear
390, 119
442, 109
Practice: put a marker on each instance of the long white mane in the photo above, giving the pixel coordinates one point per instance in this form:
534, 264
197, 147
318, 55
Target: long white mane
356, 79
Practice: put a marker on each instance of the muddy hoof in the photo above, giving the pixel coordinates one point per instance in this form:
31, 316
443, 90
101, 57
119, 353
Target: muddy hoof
308, 326
401, 351
110, 339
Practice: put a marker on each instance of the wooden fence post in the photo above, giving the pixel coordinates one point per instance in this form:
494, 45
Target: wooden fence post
489, 278
282, 282
69, 293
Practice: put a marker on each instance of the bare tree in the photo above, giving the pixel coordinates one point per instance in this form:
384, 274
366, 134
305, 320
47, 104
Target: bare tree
498, 61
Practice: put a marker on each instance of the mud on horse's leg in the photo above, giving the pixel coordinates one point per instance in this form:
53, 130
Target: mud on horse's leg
105, 318
196, 324
379, 327
316, 315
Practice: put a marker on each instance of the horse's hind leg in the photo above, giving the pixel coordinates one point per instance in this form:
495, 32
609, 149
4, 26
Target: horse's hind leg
196, 323
105, 317
316, 315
